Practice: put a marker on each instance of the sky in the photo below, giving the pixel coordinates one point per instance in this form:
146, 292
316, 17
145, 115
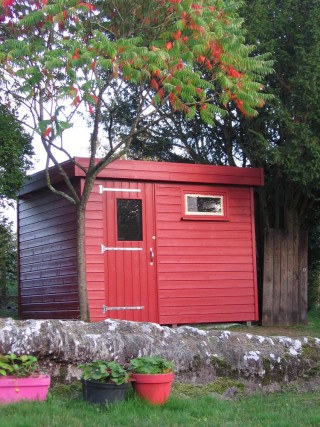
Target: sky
76, 141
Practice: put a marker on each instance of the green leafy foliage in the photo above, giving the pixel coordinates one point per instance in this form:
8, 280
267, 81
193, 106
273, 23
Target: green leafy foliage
150, 365
8, 262
15, 154
19, 366
172, 44
106, 372
163, 58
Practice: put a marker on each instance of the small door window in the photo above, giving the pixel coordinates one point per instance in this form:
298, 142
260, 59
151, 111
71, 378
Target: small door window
204, 205
129, 219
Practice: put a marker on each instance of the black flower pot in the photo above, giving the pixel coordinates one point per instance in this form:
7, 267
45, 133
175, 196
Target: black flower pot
99, 392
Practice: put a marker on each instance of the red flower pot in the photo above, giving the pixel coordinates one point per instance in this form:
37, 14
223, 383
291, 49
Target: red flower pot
155, 388
13, 389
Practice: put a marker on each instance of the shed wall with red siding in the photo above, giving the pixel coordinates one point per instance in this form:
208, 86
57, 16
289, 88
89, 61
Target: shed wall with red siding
95, 266
204, 269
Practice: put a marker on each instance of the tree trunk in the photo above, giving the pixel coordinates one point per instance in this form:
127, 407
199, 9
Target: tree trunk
81, 264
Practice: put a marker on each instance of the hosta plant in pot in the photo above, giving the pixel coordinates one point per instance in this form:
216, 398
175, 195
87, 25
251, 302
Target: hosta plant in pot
152, 378
20, 379
104, 382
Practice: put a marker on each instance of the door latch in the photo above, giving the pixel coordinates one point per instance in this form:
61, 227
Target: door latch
151, 256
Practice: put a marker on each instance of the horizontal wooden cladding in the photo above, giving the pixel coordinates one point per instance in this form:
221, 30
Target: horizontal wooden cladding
200, 243
63, 247
203, 260
206, 309
171, 252
95, 232
61, 288
93, 207
181, 172
95, 268
94, 250
214, 284
29, 208
49, 298
62, 314
44, 232
50, 306
203, 226
45, 274
163, 217
46, 240
200, 317
176, 208
59, 294
204, 268
173, 191
203, 234
95, 277
97, 293
206, 304
68, 257
92, 258
56, 218
43, 195
57, 264
213, 293
50, 283
96, 315
198, 276
93, 216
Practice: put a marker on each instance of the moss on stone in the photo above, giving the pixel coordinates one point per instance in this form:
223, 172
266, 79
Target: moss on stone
222, 367
197, 362
267, 371
310, 352
219, 386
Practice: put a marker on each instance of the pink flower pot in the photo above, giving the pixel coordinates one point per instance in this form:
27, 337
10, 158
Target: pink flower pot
155, 388
13, 389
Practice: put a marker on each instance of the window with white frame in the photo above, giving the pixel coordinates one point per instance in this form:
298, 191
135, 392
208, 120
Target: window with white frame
204, 205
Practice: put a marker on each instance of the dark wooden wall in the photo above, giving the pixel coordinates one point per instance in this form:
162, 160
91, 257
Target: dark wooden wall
47, 257
285, 278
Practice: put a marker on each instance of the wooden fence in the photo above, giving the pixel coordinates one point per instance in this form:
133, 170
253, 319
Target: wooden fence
285, 278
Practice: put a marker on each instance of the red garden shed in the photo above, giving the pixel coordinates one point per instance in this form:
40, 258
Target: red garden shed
165, 242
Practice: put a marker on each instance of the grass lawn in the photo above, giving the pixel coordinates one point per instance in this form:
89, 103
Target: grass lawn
65, 408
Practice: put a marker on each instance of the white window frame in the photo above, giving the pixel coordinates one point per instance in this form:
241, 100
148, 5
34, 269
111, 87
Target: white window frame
207, 214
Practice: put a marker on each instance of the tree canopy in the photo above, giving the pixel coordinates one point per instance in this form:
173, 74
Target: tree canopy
15, 152
63, 58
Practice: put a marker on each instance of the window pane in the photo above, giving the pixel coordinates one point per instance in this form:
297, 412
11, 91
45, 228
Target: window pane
129, 218
205, 205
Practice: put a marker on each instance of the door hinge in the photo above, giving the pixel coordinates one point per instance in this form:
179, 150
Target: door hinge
125, 190
105, 248
105, 308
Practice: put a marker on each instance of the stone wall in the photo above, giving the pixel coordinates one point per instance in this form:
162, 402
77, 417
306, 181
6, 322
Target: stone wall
199, 356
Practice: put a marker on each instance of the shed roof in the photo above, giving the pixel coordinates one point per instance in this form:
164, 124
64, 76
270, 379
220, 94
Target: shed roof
142, 170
